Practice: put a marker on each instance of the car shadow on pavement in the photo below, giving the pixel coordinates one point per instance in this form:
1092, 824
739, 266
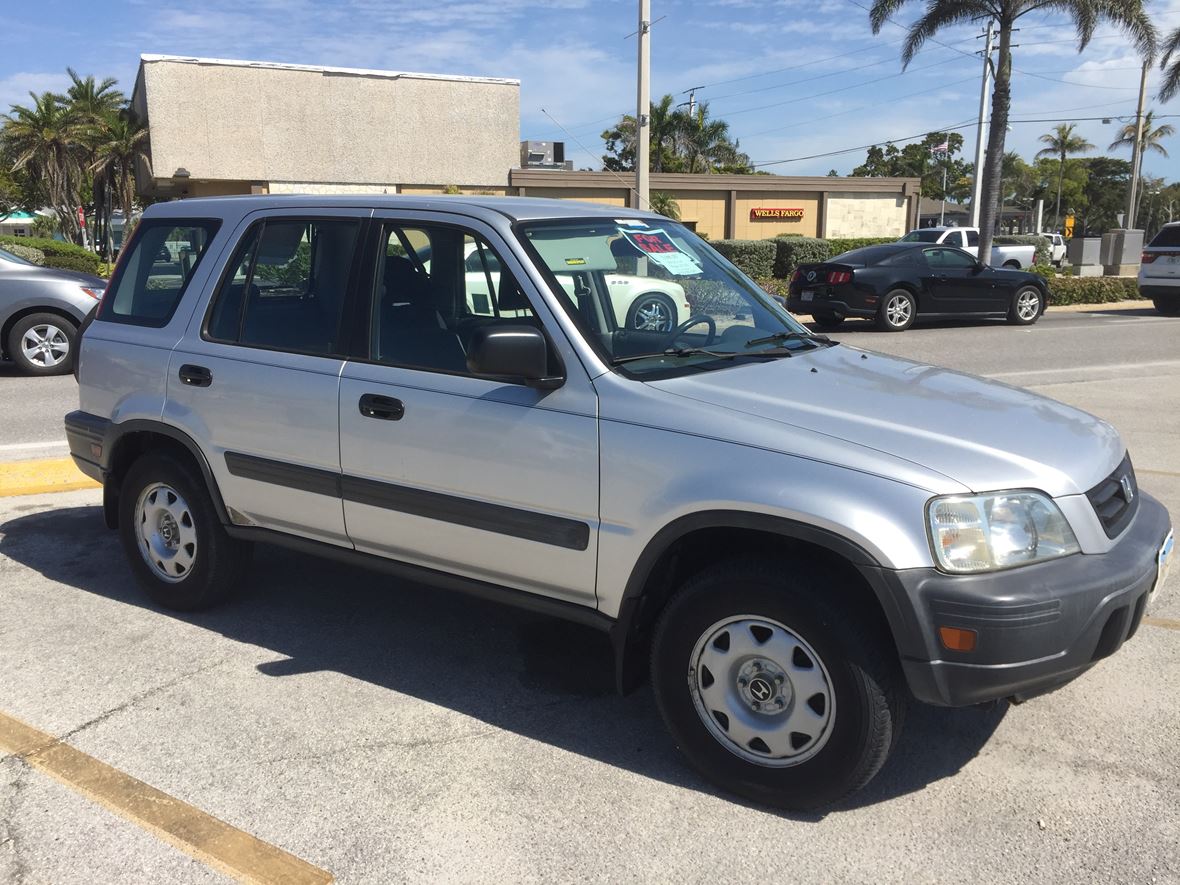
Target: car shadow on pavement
546, 679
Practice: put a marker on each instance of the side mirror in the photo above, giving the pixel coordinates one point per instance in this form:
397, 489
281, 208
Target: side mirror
515, 354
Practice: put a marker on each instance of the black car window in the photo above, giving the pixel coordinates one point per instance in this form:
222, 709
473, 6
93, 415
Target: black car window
972, 238
949, 259
954, 238
1168, 236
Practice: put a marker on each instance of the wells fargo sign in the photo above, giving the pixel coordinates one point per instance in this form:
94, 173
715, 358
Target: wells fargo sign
761, 214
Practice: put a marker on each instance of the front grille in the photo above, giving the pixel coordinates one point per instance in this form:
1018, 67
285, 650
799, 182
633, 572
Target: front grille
1116, 498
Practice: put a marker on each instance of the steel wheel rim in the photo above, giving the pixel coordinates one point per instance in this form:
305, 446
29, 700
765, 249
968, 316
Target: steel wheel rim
166, 532
762, 691
652, 315
45, 345
1027, 305
898, 310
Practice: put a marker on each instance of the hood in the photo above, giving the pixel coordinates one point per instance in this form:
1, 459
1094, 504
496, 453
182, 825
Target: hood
984, 434
74, 276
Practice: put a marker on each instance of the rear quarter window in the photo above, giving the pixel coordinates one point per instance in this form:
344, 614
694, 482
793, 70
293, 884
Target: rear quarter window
1168, 236
154, 276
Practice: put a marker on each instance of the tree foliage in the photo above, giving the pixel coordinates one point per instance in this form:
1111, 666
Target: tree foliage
679, 142
921, 160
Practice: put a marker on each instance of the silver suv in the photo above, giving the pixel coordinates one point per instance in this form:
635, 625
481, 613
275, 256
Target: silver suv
796, 536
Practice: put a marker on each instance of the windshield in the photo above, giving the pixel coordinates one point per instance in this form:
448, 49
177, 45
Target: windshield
922, 236
655, 298
15, 259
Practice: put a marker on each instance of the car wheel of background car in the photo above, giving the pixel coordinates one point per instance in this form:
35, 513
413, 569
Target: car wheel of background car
828, 320
897, 311
772, 687
177, 548
1026, 306
1167, 308
43, 344
1012, 265
651, 313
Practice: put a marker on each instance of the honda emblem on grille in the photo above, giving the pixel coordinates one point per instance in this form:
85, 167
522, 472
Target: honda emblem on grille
1128, 489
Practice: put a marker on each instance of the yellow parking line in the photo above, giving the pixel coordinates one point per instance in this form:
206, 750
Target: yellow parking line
1166, 623
38, 477
209, 840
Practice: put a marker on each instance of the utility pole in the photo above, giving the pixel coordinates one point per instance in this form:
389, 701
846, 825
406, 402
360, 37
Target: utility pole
977, 195
643, 108
1137, 156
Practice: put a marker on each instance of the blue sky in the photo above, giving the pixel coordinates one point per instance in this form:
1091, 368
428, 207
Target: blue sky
795, 78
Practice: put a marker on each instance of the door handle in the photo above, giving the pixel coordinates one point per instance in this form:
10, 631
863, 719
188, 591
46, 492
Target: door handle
383, 408
195, 376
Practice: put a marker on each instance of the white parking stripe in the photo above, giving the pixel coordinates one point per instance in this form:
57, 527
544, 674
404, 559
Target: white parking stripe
19, 447
1117, 367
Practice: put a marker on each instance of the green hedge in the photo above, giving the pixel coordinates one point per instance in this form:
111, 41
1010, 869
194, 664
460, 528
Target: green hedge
840, 245
754, 258
57, 253
1043, 245
28, 253
793, 251
1092, 290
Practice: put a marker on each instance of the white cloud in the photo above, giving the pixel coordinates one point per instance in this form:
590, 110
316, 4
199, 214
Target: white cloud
15, 88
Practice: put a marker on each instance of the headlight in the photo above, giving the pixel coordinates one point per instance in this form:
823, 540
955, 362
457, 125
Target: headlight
93, 292
982, 533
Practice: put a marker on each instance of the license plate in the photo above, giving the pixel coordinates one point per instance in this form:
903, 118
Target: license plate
1163, 561
808, 294
1172, 259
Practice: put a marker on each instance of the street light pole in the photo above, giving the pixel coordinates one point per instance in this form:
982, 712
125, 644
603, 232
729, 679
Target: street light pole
977, 194
1137, 151
643, 108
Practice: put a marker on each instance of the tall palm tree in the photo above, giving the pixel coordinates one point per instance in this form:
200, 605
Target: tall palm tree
92, 100
1060, 143
46, 141
1086, 15
120, 144
1171, 66
706, 146
95, 102
1152, 137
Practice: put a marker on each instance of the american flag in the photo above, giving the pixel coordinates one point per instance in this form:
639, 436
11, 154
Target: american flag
941, 148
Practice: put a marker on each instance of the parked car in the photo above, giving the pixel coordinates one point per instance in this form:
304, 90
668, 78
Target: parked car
967, 239
896, 283
1159, 271
1057, 246
793, 534
40, 311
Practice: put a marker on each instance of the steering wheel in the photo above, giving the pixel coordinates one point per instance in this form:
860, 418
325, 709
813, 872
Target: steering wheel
695, 320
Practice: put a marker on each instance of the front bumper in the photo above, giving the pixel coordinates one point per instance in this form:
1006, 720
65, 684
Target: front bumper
1038, 626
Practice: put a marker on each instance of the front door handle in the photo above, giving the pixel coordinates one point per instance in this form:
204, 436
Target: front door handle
195, 376
383, 408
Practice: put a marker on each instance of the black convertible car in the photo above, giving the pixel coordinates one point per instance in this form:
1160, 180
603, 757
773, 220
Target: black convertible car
898, 282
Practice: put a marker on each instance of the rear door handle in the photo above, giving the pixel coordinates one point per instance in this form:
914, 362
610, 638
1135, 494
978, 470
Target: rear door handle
195, 376
383, 408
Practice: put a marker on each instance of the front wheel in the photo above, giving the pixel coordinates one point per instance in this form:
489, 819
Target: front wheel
1026, 306
771, 688
43, 344
652, 312
1167, 307
897, 311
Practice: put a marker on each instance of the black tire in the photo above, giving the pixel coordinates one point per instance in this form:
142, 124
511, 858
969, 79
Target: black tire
866, 684
1019, 310
647, 300
1168, 308
218, 561
57, 329
884, 323
828, 321
1012, 265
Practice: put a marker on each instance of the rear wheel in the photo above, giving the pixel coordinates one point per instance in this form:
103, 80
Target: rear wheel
1012, 265
897, 311
828, 321
43, 344
771, 688
1026, 306
173, 540
652, 312
1169, 307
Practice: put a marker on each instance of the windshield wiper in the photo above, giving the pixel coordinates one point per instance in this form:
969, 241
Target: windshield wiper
779, 337
678, 352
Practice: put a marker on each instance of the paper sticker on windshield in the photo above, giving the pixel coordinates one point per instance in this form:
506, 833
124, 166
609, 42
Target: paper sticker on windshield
631, 222
660, 248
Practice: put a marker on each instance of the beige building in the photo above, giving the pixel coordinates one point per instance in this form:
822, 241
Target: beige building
750, 207
233, 127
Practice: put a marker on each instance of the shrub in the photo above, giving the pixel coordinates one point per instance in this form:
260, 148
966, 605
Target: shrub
793, 251
55, 250
754, 258
840, 245
1092, 290
1043, 245
28, 253
774, 286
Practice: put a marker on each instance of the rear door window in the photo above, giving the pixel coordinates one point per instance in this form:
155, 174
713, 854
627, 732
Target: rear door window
154, 276
1167, 237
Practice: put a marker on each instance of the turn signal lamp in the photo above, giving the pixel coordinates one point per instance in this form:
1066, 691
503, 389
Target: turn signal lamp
957, 639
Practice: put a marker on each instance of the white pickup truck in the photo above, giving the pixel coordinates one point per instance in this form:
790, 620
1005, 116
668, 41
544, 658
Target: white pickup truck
1056, 248
967, 239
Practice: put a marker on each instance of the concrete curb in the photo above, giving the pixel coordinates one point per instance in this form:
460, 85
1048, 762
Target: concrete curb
39, 477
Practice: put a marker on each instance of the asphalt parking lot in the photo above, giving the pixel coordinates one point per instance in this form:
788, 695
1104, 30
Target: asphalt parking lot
380, 732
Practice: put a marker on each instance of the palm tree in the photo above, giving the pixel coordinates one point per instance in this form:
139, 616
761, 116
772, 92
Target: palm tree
94, 103
663, 203
706, 146
1060, 143
1086, 15
45, 141
120, 144
1171, 66
1151, 140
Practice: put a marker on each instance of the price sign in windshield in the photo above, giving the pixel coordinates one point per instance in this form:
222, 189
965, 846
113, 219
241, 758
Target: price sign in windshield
658, 246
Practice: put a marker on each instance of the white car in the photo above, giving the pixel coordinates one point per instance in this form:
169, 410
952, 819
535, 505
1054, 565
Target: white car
1159, 272
641, 303
967, 239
